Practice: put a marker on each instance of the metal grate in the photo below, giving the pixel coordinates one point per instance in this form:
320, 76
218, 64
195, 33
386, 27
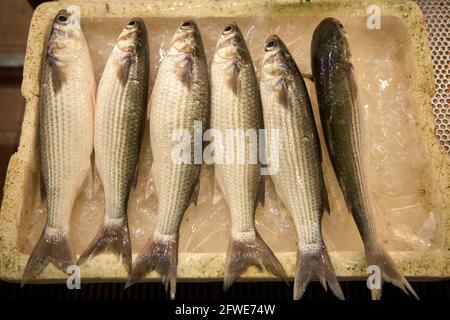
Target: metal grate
437, 23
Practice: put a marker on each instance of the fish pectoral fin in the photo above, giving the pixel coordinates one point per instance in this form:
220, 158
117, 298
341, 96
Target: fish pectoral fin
245, 252
54, 247
58, 73
233, 76
317, 263
113, 236
160, 254
308, 76
283, 92
123, 68
184, 70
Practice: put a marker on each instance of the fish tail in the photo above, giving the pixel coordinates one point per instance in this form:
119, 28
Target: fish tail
243, 253
377, 256
113, 236
160, 254
315, 262
54, 247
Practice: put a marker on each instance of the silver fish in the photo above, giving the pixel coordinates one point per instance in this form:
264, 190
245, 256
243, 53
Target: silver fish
119, 121
298, 181
341, 117
66, 107
236, 105
180, 97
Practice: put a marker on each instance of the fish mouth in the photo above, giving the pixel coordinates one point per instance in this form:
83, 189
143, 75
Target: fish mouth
135, 23
227, 44
230, 28
74, 15
272, 47
272, 43
331, 25
188, 25
186, 38
69, 17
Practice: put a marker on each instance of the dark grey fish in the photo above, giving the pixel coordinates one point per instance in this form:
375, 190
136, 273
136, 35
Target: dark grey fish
343, 125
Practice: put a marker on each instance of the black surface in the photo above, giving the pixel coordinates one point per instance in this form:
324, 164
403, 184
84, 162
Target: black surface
353, 290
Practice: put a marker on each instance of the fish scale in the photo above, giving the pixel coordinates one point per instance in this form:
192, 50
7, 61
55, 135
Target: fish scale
236, 106
121, 104
180, 97
239, 183
298, 181
345, 134
65, 137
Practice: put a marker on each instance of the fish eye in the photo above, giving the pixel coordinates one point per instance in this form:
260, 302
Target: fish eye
62, 18
132, 23
229, 28
271, 44
186, 25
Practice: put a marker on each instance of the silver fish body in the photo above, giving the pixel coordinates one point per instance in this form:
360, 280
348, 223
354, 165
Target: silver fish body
119, 121
236, 106
342, 121
179, 100
298, 181
66, 107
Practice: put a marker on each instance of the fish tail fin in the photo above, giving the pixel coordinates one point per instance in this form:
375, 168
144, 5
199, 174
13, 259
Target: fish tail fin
160, 254
54, 247
315, 262
248, 251
113, 236
377, 256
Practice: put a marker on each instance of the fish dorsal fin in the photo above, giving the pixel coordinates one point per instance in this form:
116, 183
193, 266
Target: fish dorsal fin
184, 70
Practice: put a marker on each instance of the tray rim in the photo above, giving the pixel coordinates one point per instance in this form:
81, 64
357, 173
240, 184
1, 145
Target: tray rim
432, 264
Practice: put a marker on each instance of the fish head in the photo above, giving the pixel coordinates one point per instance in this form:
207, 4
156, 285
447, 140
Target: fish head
133, 36
231, 46
276, 61
186, 40
331, 37
66, 31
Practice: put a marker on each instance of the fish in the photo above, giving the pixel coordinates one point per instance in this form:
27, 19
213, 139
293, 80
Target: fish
179, 99
344, 129
119, 122
65, 138
236, 105
298, 181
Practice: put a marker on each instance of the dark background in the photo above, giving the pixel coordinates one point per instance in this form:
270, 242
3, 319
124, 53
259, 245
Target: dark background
15, 15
